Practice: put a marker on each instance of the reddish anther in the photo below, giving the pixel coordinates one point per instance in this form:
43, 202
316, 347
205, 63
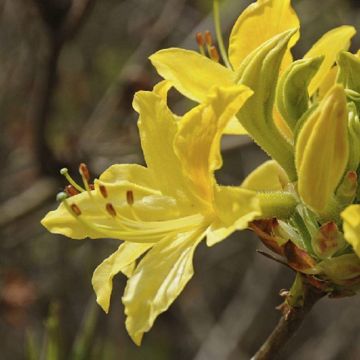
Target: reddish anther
103, 191
75, 209
110, 209
71, 191
208, 38
84, 171
214, 54
199, 39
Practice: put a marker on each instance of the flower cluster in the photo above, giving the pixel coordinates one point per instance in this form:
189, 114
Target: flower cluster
303, 204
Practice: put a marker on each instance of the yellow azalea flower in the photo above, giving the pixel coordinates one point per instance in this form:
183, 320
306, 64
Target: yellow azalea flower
193, 74
163, 210
351, 217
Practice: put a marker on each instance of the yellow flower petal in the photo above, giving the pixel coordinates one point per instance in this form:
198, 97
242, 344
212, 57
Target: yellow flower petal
329, 45
235, 208
157, 281
322, 150
328, 82
198, 140
351, 217
61, 221
95, 221
158, 126
234, 127
192, 74
117, 262
137, 175
258, 23
269, 176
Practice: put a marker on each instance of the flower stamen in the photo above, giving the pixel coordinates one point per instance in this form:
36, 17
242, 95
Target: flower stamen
71, 181
200, 41
214, 54
85, 175
71, 191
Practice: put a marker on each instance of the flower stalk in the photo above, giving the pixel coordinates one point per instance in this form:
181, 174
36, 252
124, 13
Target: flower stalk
288, 325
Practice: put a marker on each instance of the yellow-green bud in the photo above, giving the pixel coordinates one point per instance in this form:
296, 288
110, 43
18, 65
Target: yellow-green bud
322, 150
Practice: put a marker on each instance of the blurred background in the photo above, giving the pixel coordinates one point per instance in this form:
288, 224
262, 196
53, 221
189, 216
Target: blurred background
68, 72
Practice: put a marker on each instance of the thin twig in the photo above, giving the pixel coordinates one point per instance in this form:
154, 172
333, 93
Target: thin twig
288, 325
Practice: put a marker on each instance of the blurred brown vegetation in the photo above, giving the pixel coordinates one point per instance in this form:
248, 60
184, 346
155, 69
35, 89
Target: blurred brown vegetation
68, 72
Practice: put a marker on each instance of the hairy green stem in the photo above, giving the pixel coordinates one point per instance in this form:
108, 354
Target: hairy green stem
277, 204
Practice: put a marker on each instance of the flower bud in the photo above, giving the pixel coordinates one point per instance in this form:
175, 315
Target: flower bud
322, 150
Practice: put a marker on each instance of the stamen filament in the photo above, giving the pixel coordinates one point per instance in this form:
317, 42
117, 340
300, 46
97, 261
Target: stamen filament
65, 173
143, 232
219, 38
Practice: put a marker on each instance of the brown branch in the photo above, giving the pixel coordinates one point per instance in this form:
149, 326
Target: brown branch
288, 325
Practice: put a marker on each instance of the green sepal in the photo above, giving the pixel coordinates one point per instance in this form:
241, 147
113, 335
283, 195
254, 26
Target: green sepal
306, 224
292, 95
349, 71
301, 122
259, 71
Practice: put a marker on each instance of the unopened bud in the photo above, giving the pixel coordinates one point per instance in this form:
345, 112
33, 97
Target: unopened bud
322, 150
